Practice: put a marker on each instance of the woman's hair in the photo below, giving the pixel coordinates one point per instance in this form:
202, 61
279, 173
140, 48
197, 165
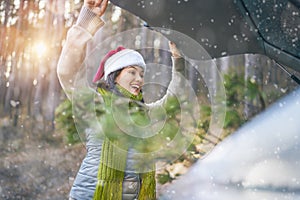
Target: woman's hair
110, 82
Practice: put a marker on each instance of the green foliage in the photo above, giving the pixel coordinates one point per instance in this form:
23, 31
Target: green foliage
164, 177
236, 90
233, 119
205, 117
234, 86
65, 122
134, 116
131, 117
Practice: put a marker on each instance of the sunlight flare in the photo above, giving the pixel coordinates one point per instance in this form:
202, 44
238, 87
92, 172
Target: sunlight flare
40, 49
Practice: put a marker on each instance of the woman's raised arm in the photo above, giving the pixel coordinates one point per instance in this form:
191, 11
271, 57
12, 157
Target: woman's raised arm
74, 49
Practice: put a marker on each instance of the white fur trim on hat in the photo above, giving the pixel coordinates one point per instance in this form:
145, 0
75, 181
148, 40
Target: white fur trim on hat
121, 59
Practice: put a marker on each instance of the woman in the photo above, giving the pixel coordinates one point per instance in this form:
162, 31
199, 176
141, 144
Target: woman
121, 73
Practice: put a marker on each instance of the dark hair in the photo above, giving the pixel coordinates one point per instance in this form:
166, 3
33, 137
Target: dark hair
110, 82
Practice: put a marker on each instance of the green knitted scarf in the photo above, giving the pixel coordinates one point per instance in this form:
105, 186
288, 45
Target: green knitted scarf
110, 179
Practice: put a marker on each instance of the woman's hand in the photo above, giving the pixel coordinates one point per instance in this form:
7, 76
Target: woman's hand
97, 6
175, 52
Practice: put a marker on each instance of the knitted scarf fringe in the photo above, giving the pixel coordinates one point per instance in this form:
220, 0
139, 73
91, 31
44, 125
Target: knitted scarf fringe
109, 185
110, 180
148, 189
108, 190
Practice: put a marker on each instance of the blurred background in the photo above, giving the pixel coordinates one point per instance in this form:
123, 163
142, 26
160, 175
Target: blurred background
40, 149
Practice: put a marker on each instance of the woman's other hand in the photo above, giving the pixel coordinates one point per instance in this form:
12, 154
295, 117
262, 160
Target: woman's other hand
175, 52
97, 6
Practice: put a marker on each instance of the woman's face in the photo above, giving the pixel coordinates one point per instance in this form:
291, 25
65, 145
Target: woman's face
132, 79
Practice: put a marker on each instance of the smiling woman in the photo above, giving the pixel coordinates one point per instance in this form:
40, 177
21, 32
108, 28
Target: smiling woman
121, 138
132, 79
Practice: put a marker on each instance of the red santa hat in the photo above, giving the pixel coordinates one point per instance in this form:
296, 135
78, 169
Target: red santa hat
118, 59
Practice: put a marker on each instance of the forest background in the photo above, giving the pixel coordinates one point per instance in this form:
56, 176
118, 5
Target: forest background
40, 149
